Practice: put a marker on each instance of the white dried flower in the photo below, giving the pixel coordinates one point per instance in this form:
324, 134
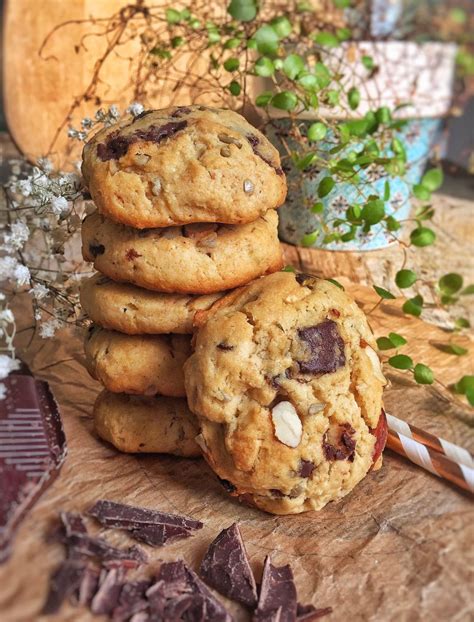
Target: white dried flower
287, 424
18, 235
3, 391
24, 187
87, 123
114, 112
135, 109
39, 291
60, 206
22, 275
45, 164
49, 328
6, 315
38, 315
7, 267
7, 365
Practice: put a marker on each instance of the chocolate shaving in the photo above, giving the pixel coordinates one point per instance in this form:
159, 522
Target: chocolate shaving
226, 567
132, 600
88, 586
159, 535
345, 449
38, 458
116, 146
326, 348
64, 582
308, 613
107, 596
277, 600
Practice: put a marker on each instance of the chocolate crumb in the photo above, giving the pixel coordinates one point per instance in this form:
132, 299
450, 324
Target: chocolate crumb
224, 346
226, 567
308, 613
277, 601
345, 448
64, 582
96, 249
107, 596
306, 468
326, 348
132, 254
305, 279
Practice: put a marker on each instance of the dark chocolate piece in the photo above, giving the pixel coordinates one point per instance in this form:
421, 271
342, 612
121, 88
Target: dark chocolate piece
345, 448
97, 547
121, 516
228, 486
326, 348
88, 586
224, 346
308, 613
180, 111
306, 468
64, 582
96, 249
116, 146
303, 279
142, 114
107, 596
254, 142
159, 535
132, 600
32, 450
277, 600
226, 567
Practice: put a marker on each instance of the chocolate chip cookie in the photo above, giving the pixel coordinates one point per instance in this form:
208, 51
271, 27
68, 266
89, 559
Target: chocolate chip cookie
200, 258
182, 165
135, 311
136, 424
137, 364
287, 387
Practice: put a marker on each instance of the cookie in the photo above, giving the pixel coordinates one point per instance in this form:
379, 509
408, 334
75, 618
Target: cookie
136, 311
137, 364
182, 165
193, 259
287, 388
134, 424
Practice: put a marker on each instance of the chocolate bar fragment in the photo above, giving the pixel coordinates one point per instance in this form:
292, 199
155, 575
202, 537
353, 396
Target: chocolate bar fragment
32, 450
308, 613
277, 601
226, 567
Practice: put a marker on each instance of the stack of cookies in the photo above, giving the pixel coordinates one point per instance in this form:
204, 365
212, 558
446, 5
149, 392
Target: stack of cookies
186, 202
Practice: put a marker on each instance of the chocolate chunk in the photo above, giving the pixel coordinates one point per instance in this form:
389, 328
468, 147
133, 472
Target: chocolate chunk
224, 346
228, 486
121, 516
308, 613
116, 146
73, 523
305, 279
345, 448
81, 544
277, 600
326, 348
180, 111
132, 600
132, 254
159, 535
64, 582
89, 584
226, 567
277, 493
107, 596
253, 140
96, 249
32, 450
306, 468
380, 433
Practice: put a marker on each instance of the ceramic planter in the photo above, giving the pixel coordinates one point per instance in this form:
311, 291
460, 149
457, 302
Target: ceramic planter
421, 74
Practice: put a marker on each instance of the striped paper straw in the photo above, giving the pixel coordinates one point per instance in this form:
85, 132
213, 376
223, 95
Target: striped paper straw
436, 455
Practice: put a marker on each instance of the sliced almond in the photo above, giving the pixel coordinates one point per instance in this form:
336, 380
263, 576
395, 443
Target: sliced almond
315, 408
141, 159
376, 364
287, 424
156, 187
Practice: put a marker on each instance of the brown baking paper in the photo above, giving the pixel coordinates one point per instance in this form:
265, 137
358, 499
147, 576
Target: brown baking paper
399, 547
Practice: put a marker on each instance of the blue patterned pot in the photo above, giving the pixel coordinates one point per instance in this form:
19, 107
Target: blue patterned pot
296, 219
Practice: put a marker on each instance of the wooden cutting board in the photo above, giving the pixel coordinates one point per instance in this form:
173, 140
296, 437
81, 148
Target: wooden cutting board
398, 547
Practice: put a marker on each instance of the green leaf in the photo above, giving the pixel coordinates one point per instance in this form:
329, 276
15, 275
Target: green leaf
308, 81
386, 191
332, 97
173, 16
293, 65
384, 343
373, 211
453, 348
368, 62
176, 42
423, 374
457, 15
282, 26
326, 39
231, 64
243, 10
286, 100
322, 74
462, 322
288, 269
162, 53
349, 235
343, 34
336, 283
413, 306
421, 192
267, 40
357, 127
450, 284
400, 361
232, 43
470, 396
422, 236
310, 238
264, 67
263, 99
384, 293
383, 115
466, 383
353, 97
195, 23
317, 131
392, 223
342, 4
432, 179
186, 14
303, 163
317, 208
405, 278
399, 148
325, 186
235, 88
397, 339
468, 291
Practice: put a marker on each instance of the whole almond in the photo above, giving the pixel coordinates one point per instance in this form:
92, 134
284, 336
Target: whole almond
287, 424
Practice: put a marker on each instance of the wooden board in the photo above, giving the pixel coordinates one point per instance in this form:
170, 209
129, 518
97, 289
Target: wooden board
398, 547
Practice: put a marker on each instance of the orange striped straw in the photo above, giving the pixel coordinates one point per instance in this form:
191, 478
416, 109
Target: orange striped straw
436, 455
